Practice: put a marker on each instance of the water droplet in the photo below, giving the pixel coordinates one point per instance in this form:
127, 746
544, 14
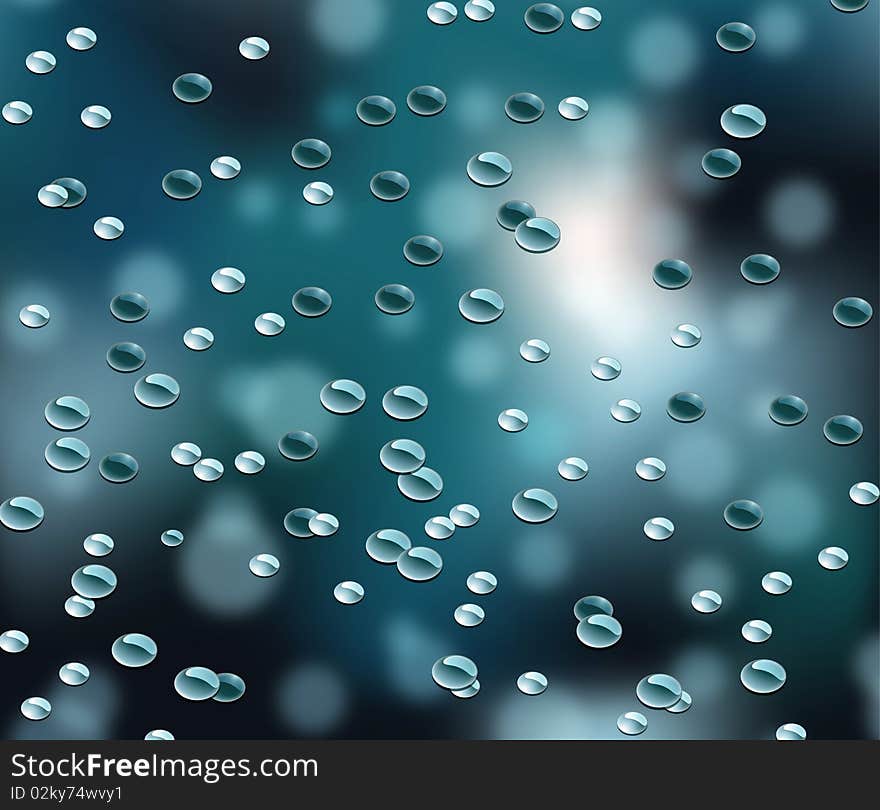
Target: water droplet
171, 538
469, 615
108, 228
225, 167
481, 306
626, 410
17, 112
659, 528
853, 312
848, 7
95, 116
513, 420
544, 18
134, 650
489, 169
129, 307
442, 13
324, 524
36, 708
419, 564
658, 691
685, 407
424, 484
250, 462
762, 676
376, 111
386, 545
227, 280
464, 515
650, 469
756, 631
348, 592
681, 705
531, 683
454, 672
253, 48
158, 735
482, 583
40, 62
534, 350
586, 18
743, 121
468, 692
21, 513
864, 493
78, 607
632, 723
68, 454
298, 445
776, 583
423, 250
343, 396
439, 528
788, 410
426, 100
269, 324
524, 108
264, 565
118, 468
192, 88
599, 630
534, 505
479, 10
208, 469
14, 641
833, 558
310, 153
126, 357
198, 338
592, 605
513, 212
34, 316
311, 302
537, 235
74, 673
389, 186
795, 731
196, 683
93, 581
318, 193
181, 184
81, 38
76, 190
573, 108
706, 601
402, 456
843, 430
52, 196
672, 274
759, 268
296, 522
721, 163
157, 390
394, 299
186, 453
405, 402
743, 515
735, 37
605, 368
573, 468
232, 687
67, 413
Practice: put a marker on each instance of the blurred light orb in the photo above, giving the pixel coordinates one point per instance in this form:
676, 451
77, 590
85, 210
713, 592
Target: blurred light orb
312, 699
782, 29
663, 52
799, 212
348, 27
